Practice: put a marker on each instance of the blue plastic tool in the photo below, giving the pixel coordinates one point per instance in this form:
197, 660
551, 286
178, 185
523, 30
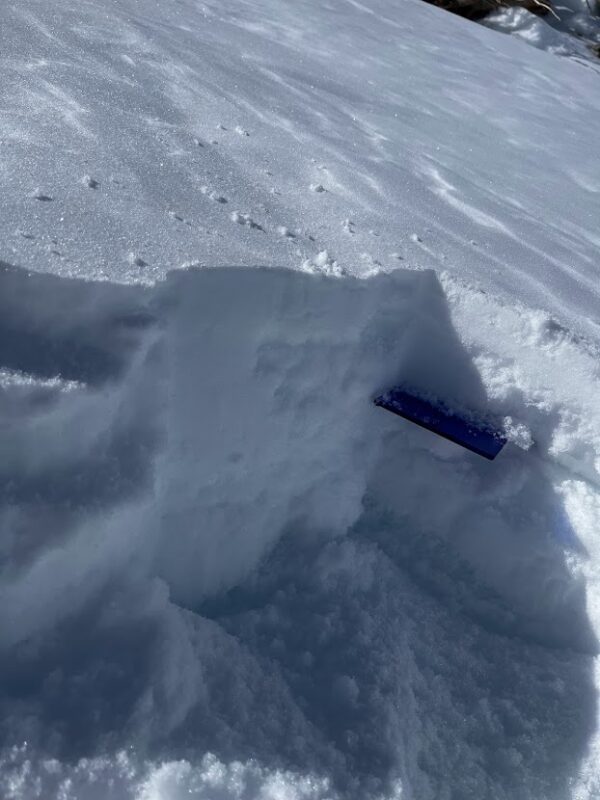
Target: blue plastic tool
480, 438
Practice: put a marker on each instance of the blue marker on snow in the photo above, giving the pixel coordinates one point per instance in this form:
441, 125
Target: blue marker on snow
479, 438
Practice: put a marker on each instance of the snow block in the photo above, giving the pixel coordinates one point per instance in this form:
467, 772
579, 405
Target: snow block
479, 438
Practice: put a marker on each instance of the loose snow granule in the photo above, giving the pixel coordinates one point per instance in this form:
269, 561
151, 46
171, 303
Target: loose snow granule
518, 433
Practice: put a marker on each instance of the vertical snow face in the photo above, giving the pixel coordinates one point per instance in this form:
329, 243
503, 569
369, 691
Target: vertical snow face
270, 422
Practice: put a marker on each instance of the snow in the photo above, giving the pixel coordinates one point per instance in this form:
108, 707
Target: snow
572, 30
414, 123
225, 572
179, 780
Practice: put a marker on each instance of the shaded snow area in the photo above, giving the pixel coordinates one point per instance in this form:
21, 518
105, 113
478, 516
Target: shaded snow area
215, 543
226, 574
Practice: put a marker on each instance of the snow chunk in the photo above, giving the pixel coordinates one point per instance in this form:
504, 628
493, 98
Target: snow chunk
323, 263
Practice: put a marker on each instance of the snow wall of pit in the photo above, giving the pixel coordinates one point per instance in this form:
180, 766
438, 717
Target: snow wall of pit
168, 451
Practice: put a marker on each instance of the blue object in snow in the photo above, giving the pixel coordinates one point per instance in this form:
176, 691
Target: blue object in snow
479, 438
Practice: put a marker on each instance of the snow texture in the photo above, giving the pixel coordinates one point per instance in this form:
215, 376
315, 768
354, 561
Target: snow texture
225, 573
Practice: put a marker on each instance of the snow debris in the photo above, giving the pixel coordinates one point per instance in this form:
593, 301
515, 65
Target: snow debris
14, 379
131, 778
323, 263
518, 433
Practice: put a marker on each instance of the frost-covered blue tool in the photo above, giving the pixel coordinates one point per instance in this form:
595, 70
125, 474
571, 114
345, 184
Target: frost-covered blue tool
480, 438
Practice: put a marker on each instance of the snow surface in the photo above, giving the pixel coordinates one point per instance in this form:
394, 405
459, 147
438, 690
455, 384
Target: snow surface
225, 573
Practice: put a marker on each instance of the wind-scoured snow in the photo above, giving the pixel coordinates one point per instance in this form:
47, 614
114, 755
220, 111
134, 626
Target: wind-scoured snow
225, 573
441, 142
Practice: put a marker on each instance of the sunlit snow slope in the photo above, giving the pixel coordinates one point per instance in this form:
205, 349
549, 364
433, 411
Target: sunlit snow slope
225, 573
